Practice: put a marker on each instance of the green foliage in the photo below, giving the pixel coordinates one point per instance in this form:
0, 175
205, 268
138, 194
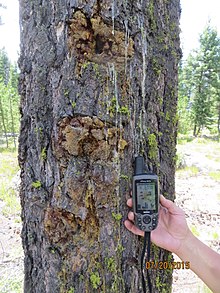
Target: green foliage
120, 248
125, 177
4, 66
184, 100
95, 280
188, 171
159, 285
199, 86
117, 217
124, 110
43, 154
73, 104
13, 284
156, 66
153, 146
9, 99
194, 230
215, 175
110, 264
36, 184
215, 235
113, 107
180, 161
8, 169
150, 11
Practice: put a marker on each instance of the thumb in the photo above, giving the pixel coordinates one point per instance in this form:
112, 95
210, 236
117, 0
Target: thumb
170, 206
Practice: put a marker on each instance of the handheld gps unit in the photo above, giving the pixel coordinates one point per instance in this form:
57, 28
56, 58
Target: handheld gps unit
145, 196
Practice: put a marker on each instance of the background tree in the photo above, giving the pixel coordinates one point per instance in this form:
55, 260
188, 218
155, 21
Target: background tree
184, 98
199, 82
4, 66
98, 86
218, 105
9, 98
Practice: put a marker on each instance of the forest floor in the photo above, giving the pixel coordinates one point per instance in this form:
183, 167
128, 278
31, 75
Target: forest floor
11, 252
197, 192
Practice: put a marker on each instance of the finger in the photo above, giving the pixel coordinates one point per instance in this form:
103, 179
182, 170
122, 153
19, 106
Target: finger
132, 228
163, 209
169, 205
166, 203
131, 216
129, 202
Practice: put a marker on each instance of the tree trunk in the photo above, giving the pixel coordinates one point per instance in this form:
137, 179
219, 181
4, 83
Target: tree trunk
12, 117
219, 120
3, 123
98, 85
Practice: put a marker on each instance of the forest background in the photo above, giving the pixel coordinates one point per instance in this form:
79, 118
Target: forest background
198, 101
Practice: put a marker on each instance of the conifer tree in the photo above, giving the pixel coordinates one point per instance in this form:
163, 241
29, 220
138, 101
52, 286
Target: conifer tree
199, 82
9, 98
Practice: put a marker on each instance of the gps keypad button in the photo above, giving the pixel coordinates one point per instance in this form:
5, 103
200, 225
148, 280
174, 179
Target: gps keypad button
146, 219
154, 222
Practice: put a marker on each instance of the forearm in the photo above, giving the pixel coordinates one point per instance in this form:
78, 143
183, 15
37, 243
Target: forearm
203, 261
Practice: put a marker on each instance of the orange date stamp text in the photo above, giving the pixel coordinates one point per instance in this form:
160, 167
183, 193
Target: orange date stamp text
170, 265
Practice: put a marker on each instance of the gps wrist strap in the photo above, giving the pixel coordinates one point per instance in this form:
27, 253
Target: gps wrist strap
143, 264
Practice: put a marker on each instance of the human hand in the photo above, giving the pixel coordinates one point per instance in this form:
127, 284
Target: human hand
172, 227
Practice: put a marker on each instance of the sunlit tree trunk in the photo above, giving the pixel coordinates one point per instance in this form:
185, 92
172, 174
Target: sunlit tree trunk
99, 86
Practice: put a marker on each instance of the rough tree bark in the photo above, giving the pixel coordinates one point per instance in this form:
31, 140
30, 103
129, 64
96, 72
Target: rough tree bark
98, 86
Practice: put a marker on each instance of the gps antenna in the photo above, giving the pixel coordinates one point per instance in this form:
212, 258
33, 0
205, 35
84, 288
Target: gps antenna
139, 165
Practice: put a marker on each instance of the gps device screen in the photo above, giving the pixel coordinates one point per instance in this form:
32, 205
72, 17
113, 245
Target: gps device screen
146, 196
